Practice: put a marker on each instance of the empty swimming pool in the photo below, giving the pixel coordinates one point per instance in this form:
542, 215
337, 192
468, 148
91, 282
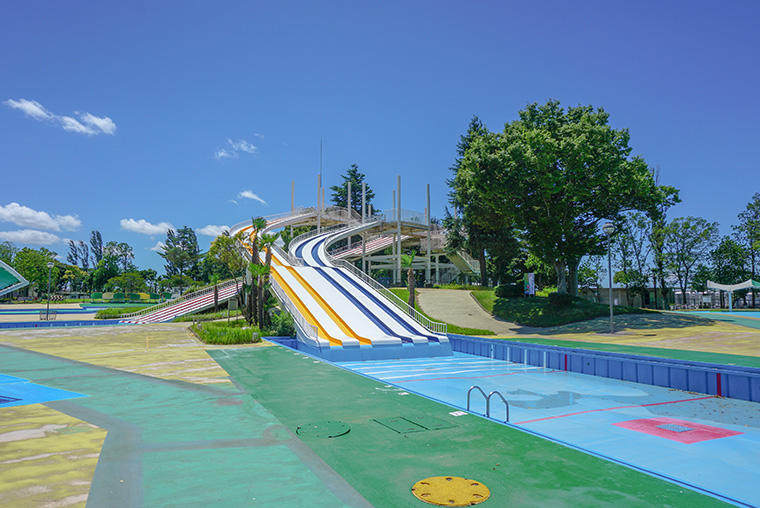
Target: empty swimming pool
708, 443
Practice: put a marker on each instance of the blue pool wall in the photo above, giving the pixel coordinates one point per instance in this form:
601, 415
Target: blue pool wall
709, 378
55, 324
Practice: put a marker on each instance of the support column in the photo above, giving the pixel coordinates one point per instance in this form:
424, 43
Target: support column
398, 227
438, 270
348, 206
427, 254
292, 203
364, 233
393, 243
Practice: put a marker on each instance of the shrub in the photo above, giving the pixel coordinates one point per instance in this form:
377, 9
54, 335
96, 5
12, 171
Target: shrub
116, 312
221, 333
282, 325
560, 299
509, 290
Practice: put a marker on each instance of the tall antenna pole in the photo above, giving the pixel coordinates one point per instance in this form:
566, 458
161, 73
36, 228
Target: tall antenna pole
319, 200
348, 207
292, 203
427, 213
364, 234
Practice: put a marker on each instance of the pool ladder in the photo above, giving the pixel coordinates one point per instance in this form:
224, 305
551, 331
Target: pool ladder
488, 400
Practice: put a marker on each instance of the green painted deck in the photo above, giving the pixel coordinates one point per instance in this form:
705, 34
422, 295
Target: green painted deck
174, 443
382, 464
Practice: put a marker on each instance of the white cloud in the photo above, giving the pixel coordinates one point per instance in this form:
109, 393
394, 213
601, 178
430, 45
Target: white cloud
30, 218
212, 230
258, 135
234, 202
103, 124
159, 247
73, 125
30, 108
87, 124
235, 147
250, 195
224, 154
29, 237
144, 227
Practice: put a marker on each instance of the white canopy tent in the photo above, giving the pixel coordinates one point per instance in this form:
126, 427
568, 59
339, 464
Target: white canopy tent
730, 288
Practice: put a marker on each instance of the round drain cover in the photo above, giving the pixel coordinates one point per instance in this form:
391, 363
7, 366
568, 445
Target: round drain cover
450, 491
328, 428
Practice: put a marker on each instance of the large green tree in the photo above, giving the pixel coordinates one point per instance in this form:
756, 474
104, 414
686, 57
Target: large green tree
556, 174
122, 252
748, 235
688, 240
340, 192
181, 252
96, 246
128, 282
473, 226
32, 265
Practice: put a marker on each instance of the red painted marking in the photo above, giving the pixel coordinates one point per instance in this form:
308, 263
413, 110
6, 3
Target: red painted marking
697, 434
614, 408
720, 392
565, 362
463, 377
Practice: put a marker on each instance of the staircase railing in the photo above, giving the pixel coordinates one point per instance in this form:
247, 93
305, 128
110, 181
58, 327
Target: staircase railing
186, 296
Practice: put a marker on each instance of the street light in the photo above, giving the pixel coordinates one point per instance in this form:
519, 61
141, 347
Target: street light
47, 312
608, 229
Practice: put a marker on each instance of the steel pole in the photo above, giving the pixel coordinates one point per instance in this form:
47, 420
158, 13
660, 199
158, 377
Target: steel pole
47, 312
609, 270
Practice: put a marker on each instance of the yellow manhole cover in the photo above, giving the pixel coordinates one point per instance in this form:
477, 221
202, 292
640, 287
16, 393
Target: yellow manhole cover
450, 491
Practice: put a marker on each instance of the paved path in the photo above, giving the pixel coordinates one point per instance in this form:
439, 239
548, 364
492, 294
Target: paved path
458, 307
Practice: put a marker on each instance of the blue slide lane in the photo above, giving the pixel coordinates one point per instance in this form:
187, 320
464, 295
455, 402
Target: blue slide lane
364, 291
353, 300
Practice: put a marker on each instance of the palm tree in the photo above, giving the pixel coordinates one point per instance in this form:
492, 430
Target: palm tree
407, 260
266, 243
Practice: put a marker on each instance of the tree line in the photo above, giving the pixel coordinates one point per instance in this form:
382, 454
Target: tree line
533, 197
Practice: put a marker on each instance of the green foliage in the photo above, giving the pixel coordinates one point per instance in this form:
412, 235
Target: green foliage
537, 311
560, 299
7, 252
116, 312
340, 192
32, 265
556, 174
206, 316
127, 282
181, 252
106, 269
122, 252
509, 290
282, 325
224, 251
728, 261
688, 240
236, 332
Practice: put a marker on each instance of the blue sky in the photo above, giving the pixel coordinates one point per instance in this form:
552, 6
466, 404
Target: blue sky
127, 117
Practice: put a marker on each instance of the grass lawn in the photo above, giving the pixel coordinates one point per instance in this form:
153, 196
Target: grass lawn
403, 293
536, 310
236, 332
116, 312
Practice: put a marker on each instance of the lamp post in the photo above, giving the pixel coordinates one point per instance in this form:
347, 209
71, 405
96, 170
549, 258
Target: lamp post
50, 269
608, 229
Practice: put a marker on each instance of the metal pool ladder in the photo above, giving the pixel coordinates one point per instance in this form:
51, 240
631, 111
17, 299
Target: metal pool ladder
488, 400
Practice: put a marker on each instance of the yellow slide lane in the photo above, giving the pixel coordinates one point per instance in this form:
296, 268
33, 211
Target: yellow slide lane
321, 332
322, 303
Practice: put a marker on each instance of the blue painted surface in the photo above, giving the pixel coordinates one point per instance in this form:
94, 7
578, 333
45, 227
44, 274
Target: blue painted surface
736, 382
54, 324
580, 410
23, 392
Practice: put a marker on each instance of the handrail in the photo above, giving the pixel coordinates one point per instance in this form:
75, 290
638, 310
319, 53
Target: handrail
314, 232
295, 212
476, 387
488, 400
309, 330
290, 258
488, 404
433, 326
182, 298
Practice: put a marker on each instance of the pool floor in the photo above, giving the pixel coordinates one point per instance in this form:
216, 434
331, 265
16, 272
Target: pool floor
706, 442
